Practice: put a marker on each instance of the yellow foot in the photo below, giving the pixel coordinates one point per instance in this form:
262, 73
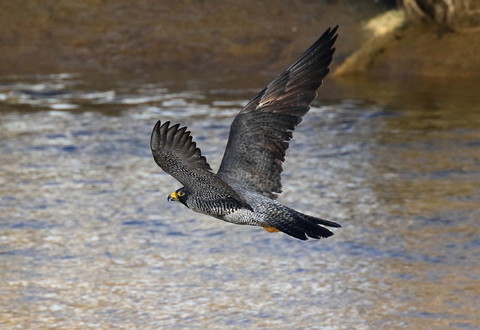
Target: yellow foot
271, 229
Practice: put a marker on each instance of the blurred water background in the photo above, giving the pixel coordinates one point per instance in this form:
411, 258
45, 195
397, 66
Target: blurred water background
88, 240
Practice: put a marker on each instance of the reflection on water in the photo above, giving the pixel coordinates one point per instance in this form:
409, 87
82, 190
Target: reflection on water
88, 240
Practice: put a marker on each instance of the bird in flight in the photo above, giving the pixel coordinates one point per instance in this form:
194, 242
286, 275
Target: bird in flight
245, 188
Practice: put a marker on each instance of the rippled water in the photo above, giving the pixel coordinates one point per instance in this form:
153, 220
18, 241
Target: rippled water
88, 240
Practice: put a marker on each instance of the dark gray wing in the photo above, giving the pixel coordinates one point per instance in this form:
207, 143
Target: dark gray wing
260, 133
177, 154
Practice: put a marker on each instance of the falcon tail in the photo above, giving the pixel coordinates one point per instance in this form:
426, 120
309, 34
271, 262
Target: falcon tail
301, 225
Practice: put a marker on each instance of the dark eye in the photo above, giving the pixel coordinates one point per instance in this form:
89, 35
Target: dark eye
181, 193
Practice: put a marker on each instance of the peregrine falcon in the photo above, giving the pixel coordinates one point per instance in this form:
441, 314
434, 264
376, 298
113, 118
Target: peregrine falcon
244, 189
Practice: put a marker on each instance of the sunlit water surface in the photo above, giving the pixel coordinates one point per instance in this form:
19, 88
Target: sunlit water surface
88, 239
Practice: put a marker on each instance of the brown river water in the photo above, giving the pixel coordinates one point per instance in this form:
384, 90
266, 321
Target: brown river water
88, 240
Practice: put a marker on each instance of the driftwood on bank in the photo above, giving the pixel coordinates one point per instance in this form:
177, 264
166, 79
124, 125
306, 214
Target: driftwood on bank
454, 15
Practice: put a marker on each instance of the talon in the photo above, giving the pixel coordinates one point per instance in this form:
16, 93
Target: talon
271, 229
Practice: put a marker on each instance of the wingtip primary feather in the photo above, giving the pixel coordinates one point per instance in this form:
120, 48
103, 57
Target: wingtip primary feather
163, 134
154, 137
175, 138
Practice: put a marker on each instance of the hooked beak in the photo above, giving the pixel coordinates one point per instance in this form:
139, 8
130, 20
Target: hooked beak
173, 197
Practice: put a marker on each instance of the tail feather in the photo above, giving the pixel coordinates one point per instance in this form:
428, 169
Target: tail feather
291, 228
301, 225
319, 221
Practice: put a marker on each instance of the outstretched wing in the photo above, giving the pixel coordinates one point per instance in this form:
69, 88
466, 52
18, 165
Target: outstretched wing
177, 154
260, 133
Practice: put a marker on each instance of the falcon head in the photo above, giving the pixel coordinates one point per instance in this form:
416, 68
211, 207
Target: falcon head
179, 195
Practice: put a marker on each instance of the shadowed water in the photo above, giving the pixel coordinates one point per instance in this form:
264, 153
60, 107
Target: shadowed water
87, 238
